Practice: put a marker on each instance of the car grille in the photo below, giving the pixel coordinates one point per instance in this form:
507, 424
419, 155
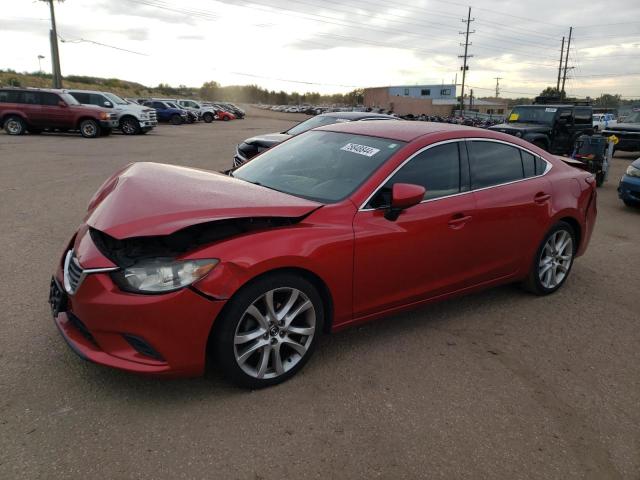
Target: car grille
73, 273
152, 115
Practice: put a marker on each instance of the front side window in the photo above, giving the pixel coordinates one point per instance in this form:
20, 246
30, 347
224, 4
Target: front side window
50, 99
437, 169
317, 165
116, 100
583, 116
494, 163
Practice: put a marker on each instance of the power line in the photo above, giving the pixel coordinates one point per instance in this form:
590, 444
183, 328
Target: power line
84, 40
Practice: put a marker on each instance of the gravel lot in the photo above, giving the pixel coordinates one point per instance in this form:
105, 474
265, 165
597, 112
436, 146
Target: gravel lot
496, 385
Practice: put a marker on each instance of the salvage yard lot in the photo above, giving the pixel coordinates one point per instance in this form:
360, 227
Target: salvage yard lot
500, 384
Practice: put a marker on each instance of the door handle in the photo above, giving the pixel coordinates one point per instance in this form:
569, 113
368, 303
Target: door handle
541, 197
459, 220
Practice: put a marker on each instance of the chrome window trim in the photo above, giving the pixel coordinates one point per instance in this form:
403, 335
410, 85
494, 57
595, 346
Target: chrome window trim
471, 190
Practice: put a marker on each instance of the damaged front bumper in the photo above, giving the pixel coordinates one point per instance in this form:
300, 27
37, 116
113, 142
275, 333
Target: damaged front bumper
162, 334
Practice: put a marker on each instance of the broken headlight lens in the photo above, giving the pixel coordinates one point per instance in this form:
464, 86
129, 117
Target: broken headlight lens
160, 275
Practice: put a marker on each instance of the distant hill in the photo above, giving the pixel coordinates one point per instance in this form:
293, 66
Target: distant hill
123, 88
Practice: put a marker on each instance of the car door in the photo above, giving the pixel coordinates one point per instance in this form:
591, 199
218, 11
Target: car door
425, 251
512, 201
54, 114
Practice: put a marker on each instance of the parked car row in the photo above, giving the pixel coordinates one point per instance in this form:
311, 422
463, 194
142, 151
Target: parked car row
95, 113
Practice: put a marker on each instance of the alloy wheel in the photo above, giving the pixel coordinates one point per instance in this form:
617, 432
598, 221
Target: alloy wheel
274, 333
555, 259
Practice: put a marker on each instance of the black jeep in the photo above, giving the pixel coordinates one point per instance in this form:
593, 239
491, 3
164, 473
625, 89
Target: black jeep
554, 128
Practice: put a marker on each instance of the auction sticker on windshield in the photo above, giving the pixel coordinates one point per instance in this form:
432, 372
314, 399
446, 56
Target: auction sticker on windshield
360, 149
514, 117
551, 110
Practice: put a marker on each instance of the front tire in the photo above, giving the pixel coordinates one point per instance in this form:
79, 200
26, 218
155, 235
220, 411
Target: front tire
208, 117
269, 330
14, 125
89, 128
553, 261
129, 126
176, 119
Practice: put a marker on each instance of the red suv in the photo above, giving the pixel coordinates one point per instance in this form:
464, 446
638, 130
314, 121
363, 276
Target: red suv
35, 110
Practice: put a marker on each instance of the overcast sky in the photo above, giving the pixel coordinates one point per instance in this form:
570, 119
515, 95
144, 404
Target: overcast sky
333, 45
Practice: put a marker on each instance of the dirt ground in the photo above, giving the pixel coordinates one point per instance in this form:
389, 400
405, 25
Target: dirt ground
499, 385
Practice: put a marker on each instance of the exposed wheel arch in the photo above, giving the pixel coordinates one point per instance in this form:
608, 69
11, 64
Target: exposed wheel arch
576, 229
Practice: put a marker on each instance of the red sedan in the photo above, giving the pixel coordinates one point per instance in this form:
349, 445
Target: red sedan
175, 268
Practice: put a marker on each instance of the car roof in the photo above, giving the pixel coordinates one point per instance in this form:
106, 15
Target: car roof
355, 115
401, 130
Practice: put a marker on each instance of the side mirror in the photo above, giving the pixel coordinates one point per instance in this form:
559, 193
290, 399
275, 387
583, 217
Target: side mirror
62, 104
108, 104
403, 196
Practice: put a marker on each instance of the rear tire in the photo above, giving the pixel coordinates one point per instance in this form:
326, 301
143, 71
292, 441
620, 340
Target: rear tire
129, 126
208, 117
553, 260
257, 346
89, 128
14, 125
176, 119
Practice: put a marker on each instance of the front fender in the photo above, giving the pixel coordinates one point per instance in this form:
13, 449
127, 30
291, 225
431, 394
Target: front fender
326, 251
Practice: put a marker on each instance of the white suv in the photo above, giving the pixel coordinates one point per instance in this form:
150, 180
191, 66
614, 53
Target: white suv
206, 113
132, 119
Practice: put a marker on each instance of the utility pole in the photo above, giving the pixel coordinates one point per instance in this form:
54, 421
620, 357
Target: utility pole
566, 61
560, 66
55, 57
464, 67
498, 86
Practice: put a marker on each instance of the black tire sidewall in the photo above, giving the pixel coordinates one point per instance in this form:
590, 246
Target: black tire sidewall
130, 120
207, 117
534, 281
176, 119
23, 126
224, 330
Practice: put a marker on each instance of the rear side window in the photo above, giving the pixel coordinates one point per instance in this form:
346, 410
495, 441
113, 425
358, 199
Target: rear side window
31, 98
437, 169
583, 116
541, 166
81, 97
49, 98
9, 96
494, 163
528, 164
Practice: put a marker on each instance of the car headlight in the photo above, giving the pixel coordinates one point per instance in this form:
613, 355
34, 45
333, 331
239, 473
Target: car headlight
633, 171
160, 275
104, 116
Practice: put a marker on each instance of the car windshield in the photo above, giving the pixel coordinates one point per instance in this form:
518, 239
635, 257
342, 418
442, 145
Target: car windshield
172, 105
532, 115
115, 99
69, 99
314, 122
322, 166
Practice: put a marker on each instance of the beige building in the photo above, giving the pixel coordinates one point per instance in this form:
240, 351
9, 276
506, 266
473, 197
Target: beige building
425, 99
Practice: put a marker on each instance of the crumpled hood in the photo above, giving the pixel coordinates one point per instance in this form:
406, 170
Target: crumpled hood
268, 140
146, 199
